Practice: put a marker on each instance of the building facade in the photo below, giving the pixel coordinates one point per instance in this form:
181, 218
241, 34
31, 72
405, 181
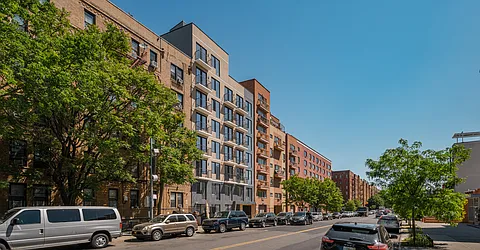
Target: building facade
470, 169
305, 162
278, 171
222, 116
353, 187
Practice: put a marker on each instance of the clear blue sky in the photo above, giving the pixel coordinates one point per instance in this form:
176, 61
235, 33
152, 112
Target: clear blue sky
348, 79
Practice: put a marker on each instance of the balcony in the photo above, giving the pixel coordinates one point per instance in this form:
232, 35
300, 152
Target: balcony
265, 169
262, 121
229, 140
201, 59
202, 85
279, 174
229, 121
241, 108
243, 145
279, 145
207, 152
203, 174
241, 162
241, 126
203, 129
262, 137
262, 184
241, 179
229, 100
292, 164
202, 106
293, 152
262, 104
229, 159
228, 177
261, 152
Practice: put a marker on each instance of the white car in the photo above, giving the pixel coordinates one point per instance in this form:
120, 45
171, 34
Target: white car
317, 216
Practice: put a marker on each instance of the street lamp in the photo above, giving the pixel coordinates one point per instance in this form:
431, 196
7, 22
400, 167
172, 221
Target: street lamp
153, 177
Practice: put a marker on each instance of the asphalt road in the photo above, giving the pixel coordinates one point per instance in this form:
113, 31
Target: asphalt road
279, 238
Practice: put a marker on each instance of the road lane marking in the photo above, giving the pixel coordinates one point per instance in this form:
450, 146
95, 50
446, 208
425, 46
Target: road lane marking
269, 238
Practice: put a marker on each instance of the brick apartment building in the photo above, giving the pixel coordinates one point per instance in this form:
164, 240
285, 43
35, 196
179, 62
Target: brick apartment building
353, 187
277, 164
306, 162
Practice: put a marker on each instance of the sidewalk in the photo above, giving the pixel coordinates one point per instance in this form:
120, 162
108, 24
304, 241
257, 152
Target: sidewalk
463, 237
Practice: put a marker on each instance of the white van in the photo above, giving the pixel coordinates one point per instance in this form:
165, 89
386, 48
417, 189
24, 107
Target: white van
41, 227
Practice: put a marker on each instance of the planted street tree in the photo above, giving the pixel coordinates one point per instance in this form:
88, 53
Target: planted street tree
358, 204
78, 104
376, 201
300, 191
421, 182
328, 195
350, 205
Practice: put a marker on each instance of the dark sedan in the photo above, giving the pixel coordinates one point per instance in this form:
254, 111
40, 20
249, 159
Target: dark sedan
263, 219
391, 223
302, 218
284, 218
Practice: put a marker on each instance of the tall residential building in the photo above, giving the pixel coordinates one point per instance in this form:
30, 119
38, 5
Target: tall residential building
470, 169
264, 177
172, 68
305, 162
353, 187
278, 170
222, 116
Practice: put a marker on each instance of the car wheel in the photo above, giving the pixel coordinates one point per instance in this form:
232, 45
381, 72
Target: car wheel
157, 235
190, 231
263, 224
243, 226
99, 241
2, 247
274, 223
222, 228
207, 231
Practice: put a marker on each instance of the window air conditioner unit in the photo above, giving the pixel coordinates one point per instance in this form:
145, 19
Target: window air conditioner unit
154, 64
179, 80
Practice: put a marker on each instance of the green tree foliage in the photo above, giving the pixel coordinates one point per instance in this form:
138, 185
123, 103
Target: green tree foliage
376, 201
350, 205
328, 195
300, 191
358, 204
420, 183
73, 96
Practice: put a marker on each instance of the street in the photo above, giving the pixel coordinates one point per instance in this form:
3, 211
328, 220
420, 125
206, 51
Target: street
279, 237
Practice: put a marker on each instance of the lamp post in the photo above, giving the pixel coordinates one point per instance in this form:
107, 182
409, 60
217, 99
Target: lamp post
153, 177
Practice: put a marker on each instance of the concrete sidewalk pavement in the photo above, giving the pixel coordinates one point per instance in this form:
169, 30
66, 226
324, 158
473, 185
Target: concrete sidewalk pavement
462, 237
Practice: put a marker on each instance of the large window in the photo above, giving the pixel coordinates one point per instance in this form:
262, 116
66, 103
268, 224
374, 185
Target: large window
135, 48
249, 108
200, 77
201, 53
216, 190
216, 87
17, 195
98, 214
134, 199
239, 137
262, 177
239, 156
239, 120
200, 167
216, 129
216, 170
113, 197
40, 195
216, 65
249, 142
176, 199
63, 215
216, 108
262, 193
18, 153
227, 114
200, 99
176, 72
216, 149
202, 143
153, 57
239, 101
227, 133
89, 19
29, 217
228, 153
228, 96
200, 122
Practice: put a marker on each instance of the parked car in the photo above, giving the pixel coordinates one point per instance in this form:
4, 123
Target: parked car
40, 227
302, 218
345, 214
226, 220
284, 217
351, 236
362, 211
328, 216
337, 215
317, 216
391, 222
166, 225
379, 213
355, 214
263, 219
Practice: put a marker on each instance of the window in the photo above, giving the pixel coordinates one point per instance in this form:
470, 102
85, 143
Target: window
239, 156
200, 188
153, 56
249, 141
227, 133
89, 18
216, 128
239, 101
216, 65
239, 120
63, 215
262, 177
17, 195
173, 218
305, 163
135, 48
216, 149
200, 122
227, 190
29, 217
202, 143
134, 199
98, 214
88, 197
216, 87
292, 172
201, 167
216, 190
176, 199
216, 170
181, 218
228, 153
175, 71
113, 197
200, 99
305, 172
262, 193
305, 153
18, 153
249, 126
249, 194
278, 195
190, 217
228, 96
248, 159
180, 100
40, 196
239, 138
216, 108
249, 108
227, 114
201, 77
201, 53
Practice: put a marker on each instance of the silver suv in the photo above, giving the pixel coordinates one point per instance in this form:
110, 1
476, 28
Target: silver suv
166, 225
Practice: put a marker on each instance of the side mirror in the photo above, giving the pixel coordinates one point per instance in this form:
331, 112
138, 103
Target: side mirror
393, 236
14, 221
167, 221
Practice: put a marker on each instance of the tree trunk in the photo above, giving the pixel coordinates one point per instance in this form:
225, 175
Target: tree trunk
413, 226
160, 196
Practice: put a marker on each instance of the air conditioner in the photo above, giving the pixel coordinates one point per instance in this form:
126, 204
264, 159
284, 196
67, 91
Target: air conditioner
154, 64
134, 55
179, 80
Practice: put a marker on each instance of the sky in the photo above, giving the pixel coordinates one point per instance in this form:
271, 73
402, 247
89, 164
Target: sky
348, 78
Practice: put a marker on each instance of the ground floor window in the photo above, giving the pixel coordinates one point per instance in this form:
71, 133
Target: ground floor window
213, 209
262, 208
134, 203
88, 197
17, 196
176, 200
41, 196
113, 197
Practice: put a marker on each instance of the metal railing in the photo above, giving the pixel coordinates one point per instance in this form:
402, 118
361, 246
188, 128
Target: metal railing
203, 103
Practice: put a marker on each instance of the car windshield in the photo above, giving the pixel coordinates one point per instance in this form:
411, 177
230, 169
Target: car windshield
260, 215
387, 222
8, 214
159, 218
282, 214
352, 233
299, 214
221, 214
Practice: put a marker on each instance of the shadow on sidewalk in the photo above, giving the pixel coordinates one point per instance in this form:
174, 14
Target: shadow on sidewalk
447, 233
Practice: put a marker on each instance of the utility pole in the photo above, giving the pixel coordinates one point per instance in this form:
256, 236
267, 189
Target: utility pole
151, 178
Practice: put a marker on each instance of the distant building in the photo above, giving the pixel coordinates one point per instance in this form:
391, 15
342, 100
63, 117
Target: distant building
470, 169
353, 187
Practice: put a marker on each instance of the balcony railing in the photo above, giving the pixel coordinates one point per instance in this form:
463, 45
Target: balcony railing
228, 157
292, 164
262, 103
229, 99
293, 152
228, 177
203, 173
262, 136
262, 120
279, 173
263, 168
203, 127
262, 184
240, 160
241, 178
206, 150
262, 152
201, 58
202, 83
279, 145
203, 103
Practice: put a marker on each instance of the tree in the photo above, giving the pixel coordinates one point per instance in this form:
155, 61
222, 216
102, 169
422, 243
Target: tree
80, 105
358, 203
350, 205
328, 195
300, 191
375, 201
420, 183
